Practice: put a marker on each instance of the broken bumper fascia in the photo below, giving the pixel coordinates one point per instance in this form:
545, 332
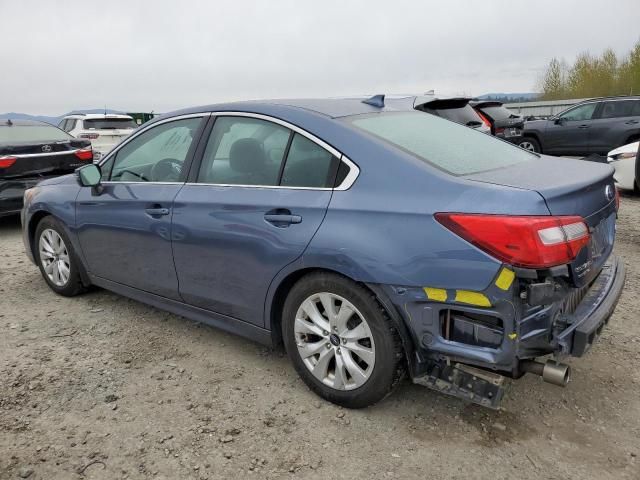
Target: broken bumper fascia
593, 312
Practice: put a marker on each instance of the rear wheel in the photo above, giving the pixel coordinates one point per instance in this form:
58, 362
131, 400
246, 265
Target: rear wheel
341, 341
56, 258
531, 144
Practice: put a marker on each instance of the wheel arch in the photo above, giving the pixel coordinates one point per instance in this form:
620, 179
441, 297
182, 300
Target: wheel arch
536, 136
279, 296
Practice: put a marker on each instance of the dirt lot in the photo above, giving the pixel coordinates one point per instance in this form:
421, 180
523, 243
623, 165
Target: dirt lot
100, 386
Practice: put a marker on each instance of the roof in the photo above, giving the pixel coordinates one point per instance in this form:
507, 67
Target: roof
328, 107
100, 116
22, 123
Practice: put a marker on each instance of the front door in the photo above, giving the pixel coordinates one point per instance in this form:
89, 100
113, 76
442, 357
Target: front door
569, 133
125, 231
260, 195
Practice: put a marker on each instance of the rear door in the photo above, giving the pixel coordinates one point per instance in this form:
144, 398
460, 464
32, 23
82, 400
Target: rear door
125, 232
253, 206
569, 133
616, 121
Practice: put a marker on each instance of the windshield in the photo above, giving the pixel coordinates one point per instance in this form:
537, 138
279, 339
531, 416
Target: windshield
109, 123
453, 148
32, 133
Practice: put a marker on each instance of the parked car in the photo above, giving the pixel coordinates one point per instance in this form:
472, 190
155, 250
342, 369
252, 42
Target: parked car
503, 122
368, 240
32, 151
104, 131
626, 162
455, 109
594, 126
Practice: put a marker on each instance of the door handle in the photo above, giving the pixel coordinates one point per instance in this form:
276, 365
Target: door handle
583, 126
282, 218
157, 211
631, 122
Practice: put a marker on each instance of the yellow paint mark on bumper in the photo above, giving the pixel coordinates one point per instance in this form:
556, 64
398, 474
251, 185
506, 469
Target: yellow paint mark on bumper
505, 279
472, 298
436, 294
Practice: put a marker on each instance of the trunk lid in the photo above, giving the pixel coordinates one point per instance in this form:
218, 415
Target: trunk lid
569, 187
42, 158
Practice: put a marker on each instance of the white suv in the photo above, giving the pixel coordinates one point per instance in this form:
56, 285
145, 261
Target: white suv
104, 131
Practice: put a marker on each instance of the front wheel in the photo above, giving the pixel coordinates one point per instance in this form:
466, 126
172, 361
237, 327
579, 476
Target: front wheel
56, 258
530, 144
341, 341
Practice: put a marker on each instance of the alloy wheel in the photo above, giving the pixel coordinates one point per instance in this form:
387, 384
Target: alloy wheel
334, 341
527, 146
54, 257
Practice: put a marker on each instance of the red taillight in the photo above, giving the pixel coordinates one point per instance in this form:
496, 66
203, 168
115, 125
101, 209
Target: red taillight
484, 119
499, 130
521, 241
90, 136
6, 161
84, 154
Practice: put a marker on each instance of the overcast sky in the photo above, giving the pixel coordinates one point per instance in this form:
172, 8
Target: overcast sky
165, 54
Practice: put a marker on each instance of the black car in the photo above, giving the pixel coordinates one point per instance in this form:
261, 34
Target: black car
594, 126
31, 151
503, 122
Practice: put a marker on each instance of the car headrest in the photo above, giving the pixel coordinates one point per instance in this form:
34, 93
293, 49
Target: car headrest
247, 156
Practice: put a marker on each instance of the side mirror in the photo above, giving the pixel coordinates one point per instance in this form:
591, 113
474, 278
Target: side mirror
90, 176
559, 121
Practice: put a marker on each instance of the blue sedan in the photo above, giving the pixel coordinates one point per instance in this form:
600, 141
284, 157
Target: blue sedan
371, 240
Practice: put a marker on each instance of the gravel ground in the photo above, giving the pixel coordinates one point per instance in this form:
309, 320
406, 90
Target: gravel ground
100, 386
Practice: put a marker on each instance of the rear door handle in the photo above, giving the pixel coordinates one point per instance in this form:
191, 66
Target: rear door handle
282, 219
583, 126
157, 211
631, 122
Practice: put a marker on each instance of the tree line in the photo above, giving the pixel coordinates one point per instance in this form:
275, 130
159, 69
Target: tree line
592, 76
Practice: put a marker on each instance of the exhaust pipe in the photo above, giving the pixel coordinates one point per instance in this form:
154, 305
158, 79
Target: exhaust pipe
551, 372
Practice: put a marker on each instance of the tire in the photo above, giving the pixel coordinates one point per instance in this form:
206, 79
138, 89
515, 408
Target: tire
360, 346
67, 282
531, 144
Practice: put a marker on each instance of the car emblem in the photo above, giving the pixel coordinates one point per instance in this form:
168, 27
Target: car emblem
46, 148
608, 192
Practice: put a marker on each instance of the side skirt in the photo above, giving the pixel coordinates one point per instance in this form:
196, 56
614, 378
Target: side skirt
223, 322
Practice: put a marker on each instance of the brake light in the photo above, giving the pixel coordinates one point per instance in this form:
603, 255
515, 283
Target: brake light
7, 161
84, 154
521, 241
499, 130
484, 119
90, 136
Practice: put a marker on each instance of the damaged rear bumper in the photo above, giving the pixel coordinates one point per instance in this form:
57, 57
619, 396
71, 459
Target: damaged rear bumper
594, 311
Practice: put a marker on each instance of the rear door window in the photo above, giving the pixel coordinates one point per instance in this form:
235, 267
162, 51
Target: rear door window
499, 112
244, 151
308, 165
620, 108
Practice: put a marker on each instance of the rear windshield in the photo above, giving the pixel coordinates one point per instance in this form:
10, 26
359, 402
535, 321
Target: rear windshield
453, 148
499, 112
32, 133
456, 110
109, 123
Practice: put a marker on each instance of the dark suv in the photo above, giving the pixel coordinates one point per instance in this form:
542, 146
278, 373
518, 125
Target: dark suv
594, 126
